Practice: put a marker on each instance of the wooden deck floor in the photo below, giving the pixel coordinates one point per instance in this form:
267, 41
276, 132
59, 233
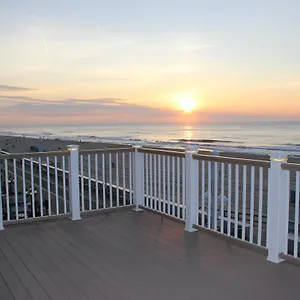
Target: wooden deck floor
133, 256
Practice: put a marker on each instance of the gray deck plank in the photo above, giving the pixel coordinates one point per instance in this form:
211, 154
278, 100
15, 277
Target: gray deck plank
220, 269
12, 280
97, 249
45, 281
145, 239
137, 256
153, 257
137, 246
144, 260
86, 282
4, 290
20, 268
111, 252
52, 264
89, 256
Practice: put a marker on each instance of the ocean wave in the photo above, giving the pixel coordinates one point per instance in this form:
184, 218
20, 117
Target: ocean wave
228, 148
231, 147
47, 133
103, 137
291, 144
211, 141
23, 134
6, 133
252, 149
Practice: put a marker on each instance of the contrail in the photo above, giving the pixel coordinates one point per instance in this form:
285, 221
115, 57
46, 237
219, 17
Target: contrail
45, 45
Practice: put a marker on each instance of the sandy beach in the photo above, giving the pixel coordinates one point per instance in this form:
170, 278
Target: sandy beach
23, 144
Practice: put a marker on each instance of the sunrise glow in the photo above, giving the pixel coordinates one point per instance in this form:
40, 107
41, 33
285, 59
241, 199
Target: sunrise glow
187, 104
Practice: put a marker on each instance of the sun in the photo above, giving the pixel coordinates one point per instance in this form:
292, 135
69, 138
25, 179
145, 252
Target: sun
187, 104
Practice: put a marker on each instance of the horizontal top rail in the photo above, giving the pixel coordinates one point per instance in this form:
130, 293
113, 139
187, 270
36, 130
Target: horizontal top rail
290, 167
233, 160
33, 154
161, 152
107, 150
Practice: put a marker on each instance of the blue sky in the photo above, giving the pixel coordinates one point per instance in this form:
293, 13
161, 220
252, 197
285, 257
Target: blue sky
233, 57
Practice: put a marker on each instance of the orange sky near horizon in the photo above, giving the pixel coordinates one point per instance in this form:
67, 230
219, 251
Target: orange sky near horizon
248, 101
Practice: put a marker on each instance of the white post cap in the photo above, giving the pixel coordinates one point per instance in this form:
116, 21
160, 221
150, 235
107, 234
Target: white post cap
278, 156
72, 147
191, 148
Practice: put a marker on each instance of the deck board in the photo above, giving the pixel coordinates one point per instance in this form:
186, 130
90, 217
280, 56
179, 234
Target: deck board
25, 272
18, 290
92, 279
46, 281
4, 290
49, 261
132, 256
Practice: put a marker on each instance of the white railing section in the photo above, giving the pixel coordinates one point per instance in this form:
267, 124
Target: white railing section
293, 241
64, 171
105, 178
28, 189
164, 181
42, 183
232, 197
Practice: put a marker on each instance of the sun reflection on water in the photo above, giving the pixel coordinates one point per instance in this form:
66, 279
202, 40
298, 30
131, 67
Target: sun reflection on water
188, 132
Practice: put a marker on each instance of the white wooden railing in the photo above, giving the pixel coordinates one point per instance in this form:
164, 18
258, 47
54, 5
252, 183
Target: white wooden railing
231, 197
106, 178
293, 178
246, 200
36, 190
164, 178
41, 182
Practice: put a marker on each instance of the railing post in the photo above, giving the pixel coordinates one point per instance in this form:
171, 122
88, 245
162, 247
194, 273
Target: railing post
191, 190
74, 182
1, 203
214, 170
138, 179
278, 208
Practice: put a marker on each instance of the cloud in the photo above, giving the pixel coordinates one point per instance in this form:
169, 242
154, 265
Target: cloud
195, 47
23, 111
10, 88
96, 110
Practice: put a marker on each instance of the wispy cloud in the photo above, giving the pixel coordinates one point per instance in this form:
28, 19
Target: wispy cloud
10, 88
101, 107
195, 47
44, 103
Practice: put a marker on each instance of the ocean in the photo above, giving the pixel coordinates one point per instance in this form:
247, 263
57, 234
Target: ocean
262, 137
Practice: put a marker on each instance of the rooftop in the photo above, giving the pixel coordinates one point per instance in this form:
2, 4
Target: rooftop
133, 255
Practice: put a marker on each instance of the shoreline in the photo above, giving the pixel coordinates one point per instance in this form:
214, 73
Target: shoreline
230, 147
22, 144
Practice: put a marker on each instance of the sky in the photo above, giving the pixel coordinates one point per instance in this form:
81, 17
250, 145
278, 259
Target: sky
91, 61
